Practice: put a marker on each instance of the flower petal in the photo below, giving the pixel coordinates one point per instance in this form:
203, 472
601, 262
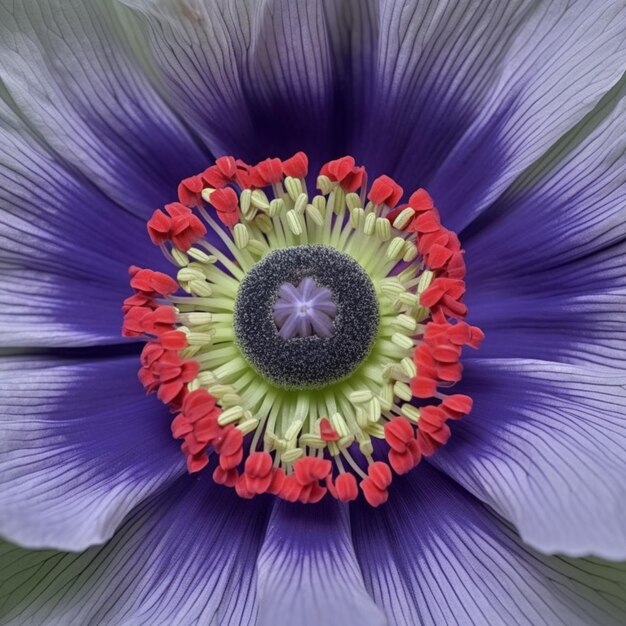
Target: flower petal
307, 569
68, 66
572, 313
64, 248
566, 207
545, 446
435, 555
557, 65
260, 73
79, 447
186, 556
545, 261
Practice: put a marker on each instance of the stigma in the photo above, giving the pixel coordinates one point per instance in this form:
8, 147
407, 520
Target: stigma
307, 341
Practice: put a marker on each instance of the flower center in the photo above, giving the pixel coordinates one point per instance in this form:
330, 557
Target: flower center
311, 350
304, 309
303, 328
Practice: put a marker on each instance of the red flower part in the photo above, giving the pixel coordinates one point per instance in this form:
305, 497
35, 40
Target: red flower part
456, 266
327, 432
457, 406
228, 478
258, 472
380, 474
278, 480
398, 433
309, 469
192, 446
248, 177
437, 257
199, 404
344, 172
404, 461
445, 293
226, 204
159, 321
347, 488
297, 166
290, 489
197, 462
151, 283
312, 493
207, 427
133, 324
270, 171
431, 418
427, 222
423, 387
227, 166
230, 442
214, 177
189, 190
446, 353
374, 496
353, 180
181, 427
186, 228
421, 201
173, 340
138, 300
428, 446
174, 374
159, 227
385, 190
241, 488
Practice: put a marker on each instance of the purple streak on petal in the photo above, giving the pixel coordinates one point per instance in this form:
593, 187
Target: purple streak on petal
273, 63
434, 555
545, 262
304, 310
185, 556
81, 446
551, 56
69, 68
64, 249
544, 446
308, 570
572, 313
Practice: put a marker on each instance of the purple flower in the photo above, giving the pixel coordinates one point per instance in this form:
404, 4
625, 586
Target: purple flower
511, 115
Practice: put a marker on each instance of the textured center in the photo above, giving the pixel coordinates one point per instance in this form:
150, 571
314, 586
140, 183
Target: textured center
304, 310
306, 316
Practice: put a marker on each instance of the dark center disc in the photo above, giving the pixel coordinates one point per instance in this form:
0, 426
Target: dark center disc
306, 362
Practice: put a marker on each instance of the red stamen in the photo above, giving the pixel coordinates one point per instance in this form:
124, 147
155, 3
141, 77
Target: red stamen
385, 190
297, 166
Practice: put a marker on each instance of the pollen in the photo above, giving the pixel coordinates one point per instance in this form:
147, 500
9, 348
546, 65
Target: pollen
306, 342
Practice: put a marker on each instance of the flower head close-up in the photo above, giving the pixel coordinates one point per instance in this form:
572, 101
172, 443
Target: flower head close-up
312, 312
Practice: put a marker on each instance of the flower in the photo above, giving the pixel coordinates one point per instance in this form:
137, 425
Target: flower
509, 116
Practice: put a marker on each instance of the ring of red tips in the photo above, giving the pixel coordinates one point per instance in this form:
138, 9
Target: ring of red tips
219, 405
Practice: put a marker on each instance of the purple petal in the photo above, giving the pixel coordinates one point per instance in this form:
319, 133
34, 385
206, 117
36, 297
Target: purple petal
81, 446
565, 208
187, 556
435, 555
546, 277
64, 248
545, 446
572, 313
308, 573
552, 70
255, 80
69, 68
